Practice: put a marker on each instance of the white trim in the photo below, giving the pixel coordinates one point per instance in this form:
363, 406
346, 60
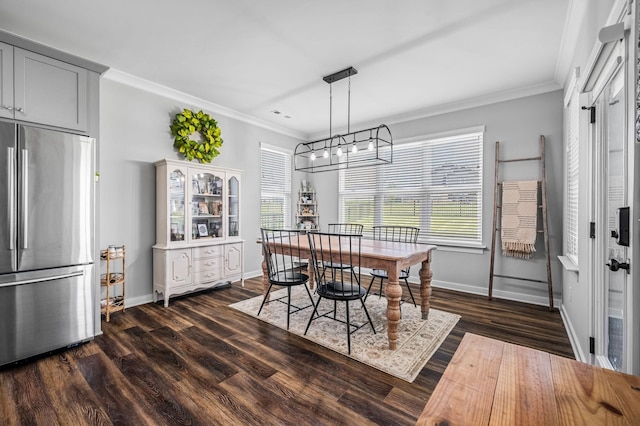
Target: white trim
498, 294
441, 135
507, 95
569, 265
573, 86
603, 361
253, 274
602, 58
167, 92
130, 302
576, 12
469, 249
275, 148
573, 337
618, 10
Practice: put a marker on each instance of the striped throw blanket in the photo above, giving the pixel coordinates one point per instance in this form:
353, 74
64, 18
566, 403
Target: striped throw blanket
519, 218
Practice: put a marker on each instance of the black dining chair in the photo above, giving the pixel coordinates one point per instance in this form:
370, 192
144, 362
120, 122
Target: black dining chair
344, 249
343, 229
404, 234
281, 250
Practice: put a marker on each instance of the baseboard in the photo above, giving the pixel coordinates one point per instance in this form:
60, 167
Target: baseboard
140, 300
465, 288
498, 294
573, 338
252, 274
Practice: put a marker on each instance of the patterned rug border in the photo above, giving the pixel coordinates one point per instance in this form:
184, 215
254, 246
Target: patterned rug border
418, 340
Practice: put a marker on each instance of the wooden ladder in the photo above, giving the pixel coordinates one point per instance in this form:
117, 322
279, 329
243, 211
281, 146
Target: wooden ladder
497, 204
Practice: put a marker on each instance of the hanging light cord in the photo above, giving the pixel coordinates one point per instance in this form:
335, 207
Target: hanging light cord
349, 107
330, 106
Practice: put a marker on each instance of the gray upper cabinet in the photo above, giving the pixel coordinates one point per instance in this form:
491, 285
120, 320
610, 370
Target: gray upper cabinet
6, 80
39, 89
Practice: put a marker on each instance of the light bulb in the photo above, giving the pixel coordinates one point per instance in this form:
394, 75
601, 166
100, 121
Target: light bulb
313, 156
370, 147
325, 154
339, 151
354, 148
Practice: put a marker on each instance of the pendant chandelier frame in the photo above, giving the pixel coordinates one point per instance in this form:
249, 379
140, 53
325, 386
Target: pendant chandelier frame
362, 148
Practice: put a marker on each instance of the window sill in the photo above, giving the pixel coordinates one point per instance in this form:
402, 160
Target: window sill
568, 264
461, 249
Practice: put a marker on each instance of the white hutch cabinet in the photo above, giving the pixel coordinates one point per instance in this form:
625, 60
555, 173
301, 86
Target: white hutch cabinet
198, 242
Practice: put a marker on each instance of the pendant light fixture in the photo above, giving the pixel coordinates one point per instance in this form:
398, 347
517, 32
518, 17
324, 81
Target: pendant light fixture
363, 148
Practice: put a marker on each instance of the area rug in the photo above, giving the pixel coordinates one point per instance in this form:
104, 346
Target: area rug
418, 340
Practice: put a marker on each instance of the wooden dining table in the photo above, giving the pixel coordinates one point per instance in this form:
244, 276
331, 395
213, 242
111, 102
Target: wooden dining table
393, 257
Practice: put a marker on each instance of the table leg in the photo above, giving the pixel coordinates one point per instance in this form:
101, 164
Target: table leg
425, 286
311, 275
394, 295
265, 280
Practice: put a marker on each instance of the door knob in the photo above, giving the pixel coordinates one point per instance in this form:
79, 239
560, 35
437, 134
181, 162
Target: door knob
614, 265
8, 107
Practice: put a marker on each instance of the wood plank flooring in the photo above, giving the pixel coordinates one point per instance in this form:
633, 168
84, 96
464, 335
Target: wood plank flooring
200, 362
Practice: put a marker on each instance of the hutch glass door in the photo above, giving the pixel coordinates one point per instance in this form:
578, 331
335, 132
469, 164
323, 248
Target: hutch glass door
206, 206
176, 205
234, 210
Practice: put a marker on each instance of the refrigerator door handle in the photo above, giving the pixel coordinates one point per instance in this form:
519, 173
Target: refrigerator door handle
41, 279
11, 205
25, 198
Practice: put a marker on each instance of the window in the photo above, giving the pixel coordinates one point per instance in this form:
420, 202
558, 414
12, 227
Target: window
435, 185
572, 114
275, 187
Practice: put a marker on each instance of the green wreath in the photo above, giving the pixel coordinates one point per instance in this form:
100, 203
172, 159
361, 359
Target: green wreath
185, 124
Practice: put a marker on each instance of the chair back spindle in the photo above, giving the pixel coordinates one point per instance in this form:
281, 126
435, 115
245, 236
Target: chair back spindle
345, 228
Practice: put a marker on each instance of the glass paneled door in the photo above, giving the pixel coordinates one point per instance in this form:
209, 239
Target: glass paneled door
616, 199
234, 206
611, 195
206, 205
176, 204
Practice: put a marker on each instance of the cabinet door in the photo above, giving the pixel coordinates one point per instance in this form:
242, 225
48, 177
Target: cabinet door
233, 195
48, 91
179, 267
233, 259
6, 80
176, 196
206, 204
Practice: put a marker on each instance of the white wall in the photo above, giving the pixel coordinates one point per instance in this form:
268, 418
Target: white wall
517, 124
134, 134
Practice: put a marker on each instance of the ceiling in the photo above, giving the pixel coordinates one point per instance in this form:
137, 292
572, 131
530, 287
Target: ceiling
254, 57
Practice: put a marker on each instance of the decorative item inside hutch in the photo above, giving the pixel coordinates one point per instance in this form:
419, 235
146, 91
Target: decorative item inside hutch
206, 205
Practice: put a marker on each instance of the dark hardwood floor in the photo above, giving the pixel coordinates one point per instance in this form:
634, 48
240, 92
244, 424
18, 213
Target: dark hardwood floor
201, 362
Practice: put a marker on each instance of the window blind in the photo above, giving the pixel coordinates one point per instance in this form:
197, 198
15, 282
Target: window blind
572, 114
435, 185
275, 187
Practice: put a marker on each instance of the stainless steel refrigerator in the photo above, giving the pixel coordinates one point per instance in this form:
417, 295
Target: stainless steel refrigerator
46, 240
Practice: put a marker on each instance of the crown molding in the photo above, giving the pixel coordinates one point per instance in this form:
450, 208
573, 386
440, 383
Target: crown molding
576, 12
507, 95
167, 92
